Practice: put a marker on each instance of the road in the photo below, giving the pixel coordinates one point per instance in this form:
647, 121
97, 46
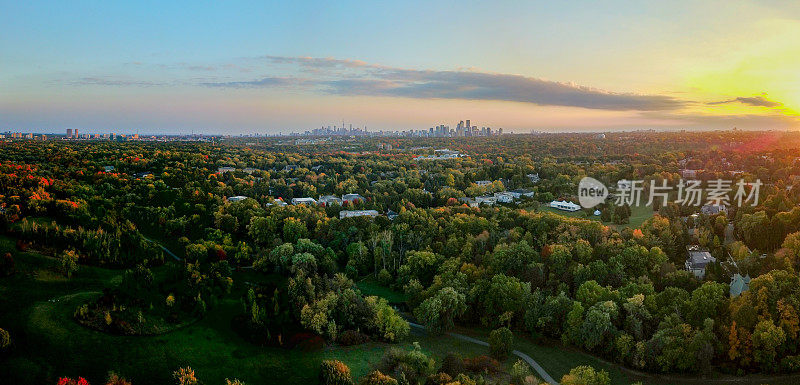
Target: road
535, 365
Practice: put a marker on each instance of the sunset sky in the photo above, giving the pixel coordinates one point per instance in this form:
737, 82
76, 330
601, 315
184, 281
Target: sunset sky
239, 67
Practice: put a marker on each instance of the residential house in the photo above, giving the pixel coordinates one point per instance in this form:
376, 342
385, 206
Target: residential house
713, 209
521, 192
504, 197
483, 183
739, 284
237, 198
352, 198
534, 178
697, 259
328, 200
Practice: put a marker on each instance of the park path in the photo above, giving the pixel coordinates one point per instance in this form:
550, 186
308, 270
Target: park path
535, 365
166, 250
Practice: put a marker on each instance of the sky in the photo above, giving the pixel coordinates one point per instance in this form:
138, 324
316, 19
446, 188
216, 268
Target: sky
267, 67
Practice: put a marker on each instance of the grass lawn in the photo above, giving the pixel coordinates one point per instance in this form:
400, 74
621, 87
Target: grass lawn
639, 214
38, 304
370, 286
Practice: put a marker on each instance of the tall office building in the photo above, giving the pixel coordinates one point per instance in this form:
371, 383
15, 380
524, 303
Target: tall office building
69, 133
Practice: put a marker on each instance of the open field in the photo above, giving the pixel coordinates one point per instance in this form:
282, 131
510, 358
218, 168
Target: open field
639, 214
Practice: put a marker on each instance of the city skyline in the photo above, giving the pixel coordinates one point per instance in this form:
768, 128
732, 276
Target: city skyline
238, 68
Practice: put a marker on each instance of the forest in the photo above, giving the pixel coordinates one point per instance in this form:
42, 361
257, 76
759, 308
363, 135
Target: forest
188, 262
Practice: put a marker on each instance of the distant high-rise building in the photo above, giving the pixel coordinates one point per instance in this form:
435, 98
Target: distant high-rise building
75, 132
69, 133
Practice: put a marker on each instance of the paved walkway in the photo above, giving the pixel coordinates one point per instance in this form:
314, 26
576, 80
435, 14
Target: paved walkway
535, 365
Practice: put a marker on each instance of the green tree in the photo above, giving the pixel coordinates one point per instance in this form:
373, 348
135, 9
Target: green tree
586, 375
501, 342
439, 311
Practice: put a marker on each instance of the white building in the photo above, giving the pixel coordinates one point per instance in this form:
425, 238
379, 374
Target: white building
357, 213
483, 183
237, 198
304, 201
504, 197
564, 205
521, 192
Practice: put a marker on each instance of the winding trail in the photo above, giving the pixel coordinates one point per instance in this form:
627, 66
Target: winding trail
535, 365
166, 250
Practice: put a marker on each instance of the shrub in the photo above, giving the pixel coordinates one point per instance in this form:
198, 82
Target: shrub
234, 382
6, 265
413, 364
377, 378
453, 364
438, 379
184, 376
333, 372
385, 277
521, 373
790, 364
70, 381
5, 339
352, 337
501, 342
69, 262
114, 379
482, 364
586, 375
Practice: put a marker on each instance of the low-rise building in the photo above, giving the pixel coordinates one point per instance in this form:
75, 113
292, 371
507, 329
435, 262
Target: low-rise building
352, 198
483, 183
713, 209
564, 205
522, 192
304, 201
328, 200
739, 284
697, 258
237, 198
504, 197
357, 213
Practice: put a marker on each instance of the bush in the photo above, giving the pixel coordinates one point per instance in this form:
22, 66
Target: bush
71, 381
377, 378
333, 372
185, 376
6, 265
790, 364
114, 379
453, 364
69, 262
413, 364
586, 375
501, 342
5, 339
385, 277
521, 373
482, 364
352, 337
438, 379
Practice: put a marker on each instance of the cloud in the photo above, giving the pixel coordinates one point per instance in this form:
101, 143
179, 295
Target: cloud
358, 78
102, 81
263, 82
758, 101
